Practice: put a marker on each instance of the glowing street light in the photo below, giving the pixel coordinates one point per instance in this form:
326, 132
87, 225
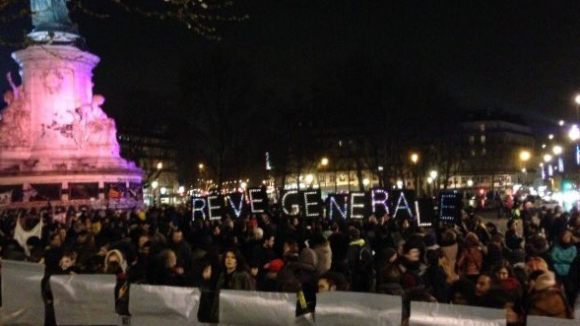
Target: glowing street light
525, 156
561, 123
557, 150
366, 182
429, 180
550, 136
414, 158
309, 179
244, 185
547, 158
154, 184
574, 133
400, 184
470, 183
159, 166
433, 174
200, 166
577, 99
324, 161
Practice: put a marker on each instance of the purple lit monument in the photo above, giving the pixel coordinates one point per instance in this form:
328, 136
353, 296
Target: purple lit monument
56, 142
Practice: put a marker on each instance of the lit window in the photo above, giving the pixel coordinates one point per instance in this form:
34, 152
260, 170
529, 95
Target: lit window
482, 139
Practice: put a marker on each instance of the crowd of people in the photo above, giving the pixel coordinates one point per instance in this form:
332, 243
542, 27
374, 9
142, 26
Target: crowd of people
531, 269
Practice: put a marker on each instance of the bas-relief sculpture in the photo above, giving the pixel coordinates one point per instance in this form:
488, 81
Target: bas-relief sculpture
15, 123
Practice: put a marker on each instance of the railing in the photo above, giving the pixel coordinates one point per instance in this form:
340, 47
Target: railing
90, 300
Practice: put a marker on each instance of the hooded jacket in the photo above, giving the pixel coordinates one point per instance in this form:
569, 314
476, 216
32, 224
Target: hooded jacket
547, 299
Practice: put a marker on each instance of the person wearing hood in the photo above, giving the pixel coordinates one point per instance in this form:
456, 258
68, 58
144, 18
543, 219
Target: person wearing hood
115, 263
563, 254
470, 260
359, 263
546, 298
391, 281
321, 248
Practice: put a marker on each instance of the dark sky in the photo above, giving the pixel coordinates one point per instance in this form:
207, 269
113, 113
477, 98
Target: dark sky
505, 54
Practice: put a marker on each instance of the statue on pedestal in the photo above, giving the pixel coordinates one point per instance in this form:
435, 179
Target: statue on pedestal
50, 15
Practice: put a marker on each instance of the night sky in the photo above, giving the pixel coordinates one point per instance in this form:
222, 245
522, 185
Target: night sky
509, 55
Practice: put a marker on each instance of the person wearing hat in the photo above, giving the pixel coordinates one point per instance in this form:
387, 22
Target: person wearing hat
411, 266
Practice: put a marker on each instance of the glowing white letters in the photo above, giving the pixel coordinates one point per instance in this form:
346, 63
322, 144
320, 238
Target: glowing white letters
308, 204
398, 207
238, 209
295, 207
353, 205
211, 208
341, 210
255, 201
380, 202
197, 209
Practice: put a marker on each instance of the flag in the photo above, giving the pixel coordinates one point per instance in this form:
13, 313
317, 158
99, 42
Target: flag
21, 235
5, 198
115, 194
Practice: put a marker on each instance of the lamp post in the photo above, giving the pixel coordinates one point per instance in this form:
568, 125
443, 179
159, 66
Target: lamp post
415, 160
525, 157
323, 163
154, 186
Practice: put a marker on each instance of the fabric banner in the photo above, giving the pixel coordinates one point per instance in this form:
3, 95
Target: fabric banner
84, 299
43, 192
21, 235
547, 321
115, 191
435, 314
135, 191
5, 198
83, 190
21, 294
17, 192
361, 309
257, 308
152, 305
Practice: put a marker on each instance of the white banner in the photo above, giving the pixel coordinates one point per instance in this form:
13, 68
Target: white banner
84, 299
547, 321
257, 308
6, 198
435, 314
21, 294
361, 309
152, 305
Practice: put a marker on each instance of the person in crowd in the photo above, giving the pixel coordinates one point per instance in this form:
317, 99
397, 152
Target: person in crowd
470, 260
330, 282
546, 298
411, 266
563, 254
321, 247
512, 239
485, 283
235, 275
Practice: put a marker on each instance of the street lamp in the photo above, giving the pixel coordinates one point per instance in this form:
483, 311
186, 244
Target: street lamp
525, 156
154, 184
547, 158
561, 123
433, 174
557, 150
415, 159
159, 166
550, 136
577, 101
470, 183
324, 161
574, 133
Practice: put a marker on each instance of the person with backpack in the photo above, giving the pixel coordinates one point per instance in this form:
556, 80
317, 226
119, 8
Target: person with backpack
360, 263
